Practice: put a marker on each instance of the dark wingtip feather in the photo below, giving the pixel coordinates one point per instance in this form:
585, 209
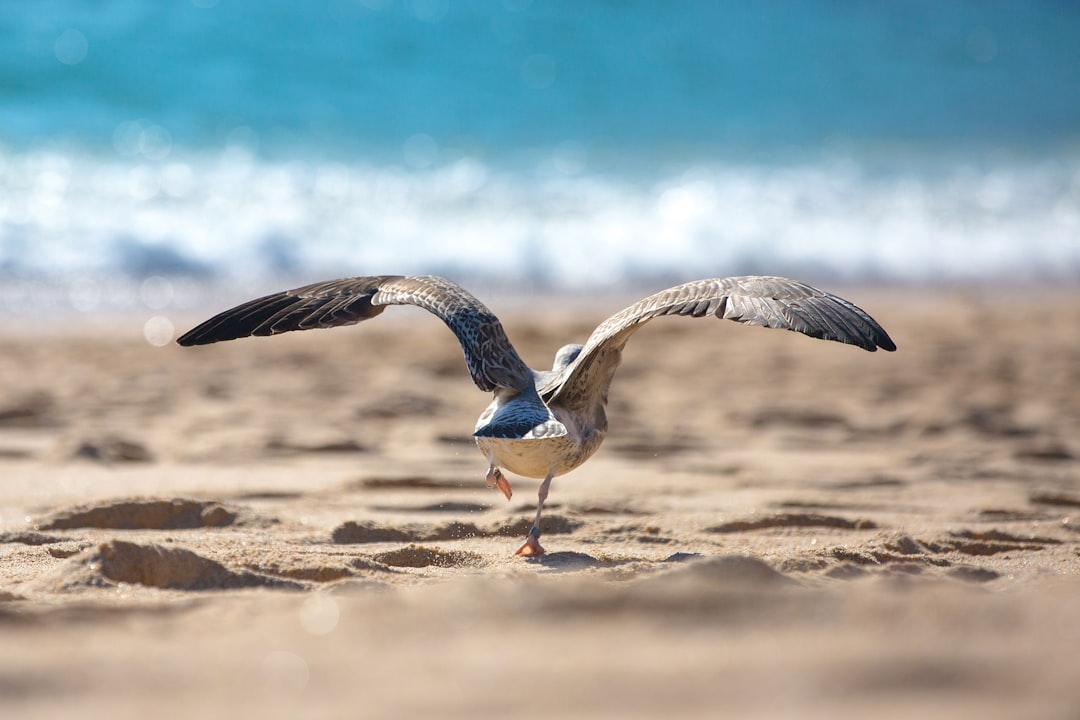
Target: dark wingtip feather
188, 339
885, 342
241, 321
321, 305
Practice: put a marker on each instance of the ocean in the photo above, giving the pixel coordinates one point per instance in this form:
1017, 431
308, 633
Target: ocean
565, 145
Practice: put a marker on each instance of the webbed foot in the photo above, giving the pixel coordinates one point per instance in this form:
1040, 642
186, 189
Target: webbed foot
532, 547
495, 478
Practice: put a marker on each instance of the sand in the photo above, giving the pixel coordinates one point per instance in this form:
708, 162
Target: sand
775, 526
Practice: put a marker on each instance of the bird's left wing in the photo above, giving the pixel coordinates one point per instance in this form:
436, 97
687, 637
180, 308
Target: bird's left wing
752, 300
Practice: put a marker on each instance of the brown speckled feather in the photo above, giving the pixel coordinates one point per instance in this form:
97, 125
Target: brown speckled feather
766, 301
491, 359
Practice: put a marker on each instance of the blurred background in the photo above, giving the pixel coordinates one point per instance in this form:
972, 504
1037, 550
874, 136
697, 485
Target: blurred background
156, 154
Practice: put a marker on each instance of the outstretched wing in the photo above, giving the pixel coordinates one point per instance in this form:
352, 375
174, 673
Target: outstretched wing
491, 359
766, 301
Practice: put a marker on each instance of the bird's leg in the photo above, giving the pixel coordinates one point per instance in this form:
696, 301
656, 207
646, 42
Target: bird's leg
495, 478
532, 542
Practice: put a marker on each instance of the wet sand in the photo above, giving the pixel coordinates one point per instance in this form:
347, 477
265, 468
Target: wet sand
775, 526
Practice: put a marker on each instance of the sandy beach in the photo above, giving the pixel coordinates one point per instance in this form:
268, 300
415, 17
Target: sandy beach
775, 527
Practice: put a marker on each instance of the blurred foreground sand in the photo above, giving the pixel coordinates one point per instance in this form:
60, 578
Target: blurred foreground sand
775, 527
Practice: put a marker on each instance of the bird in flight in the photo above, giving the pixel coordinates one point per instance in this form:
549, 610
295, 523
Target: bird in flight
544, 423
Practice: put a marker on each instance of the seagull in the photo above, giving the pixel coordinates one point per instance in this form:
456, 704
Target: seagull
544, 423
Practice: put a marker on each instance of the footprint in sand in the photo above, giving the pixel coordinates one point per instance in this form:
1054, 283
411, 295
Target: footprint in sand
1055, 498
37, 410
781, 520
969, 573
305, 572
282, 446
111, 449
992, 542
417, 556
903, 554
410, 482
352, 532
30, 538
795, 418
446, 506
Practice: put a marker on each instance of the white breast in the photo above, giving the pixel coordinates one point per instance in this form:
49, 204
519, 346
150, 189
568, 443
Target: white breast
536, 457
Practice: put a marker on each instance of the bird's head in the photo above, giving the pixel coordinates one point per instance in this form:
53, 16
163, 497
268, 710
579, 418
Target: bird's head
566, 355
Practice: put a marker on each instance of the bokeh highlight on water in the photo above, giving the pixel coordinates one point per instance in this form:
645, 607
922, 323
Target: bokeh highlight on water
546, 144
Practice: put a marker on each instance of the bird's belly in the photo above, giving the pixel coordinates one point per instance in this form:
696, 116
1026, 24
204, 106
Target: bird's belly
535, 458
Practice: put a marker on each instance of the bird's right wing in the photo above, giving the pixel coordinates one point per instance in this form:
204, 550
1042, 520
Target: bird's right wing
491, 359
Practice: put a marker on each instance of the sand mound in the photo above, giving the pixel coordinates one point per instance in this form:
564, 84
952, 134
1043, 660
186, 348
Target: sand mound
156, 566
149, 514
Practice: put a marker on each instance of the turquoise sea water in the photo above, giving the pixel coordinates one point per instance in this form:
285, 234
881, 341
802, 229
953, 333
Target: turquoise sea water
553, 142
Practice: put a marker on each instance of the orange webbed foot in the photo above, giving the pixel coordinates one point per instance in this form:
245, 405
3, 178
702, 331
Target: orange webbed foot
532, 547
495, 478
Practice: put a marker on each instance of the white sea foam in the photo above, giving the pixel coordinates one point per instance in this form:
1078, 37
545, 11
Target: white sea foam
80, 220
